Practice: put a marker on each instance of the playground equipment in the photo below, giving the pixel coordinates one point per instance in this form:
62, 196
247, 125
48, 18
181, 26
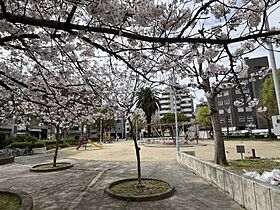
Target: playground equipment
86, 143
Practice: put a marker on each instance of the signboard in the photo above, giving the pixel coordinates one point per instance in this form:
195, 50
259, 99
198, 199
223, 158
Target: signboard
240, 148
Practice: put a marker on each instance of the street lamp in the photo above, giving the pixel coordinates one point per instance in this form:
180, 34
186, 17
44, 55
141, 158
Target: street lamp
273, 67
176, 122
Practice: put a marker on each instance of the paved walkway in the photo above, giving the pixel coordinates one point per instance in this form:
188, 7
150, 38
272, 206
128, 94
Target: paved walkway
82, 187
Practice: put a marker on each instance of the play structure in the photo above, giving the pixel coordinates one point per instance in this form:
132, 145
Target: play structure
88, 143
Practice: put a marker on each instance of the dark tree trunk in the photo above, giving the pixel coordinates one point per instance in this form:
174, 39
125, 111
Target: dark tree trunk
219, 146
57, 136
149, 119
270, 136
137, 151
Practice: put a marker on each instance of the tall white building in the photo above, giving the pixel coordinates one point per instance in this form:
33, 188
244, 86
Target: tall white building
183, 99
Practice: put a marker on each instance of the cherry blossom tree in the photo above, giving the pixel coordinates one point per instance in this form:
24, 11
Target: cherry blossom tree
200, 40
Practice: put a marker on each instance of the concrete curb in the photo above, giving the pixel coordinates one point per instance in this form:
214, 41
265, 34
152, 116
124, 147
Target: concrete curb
153, 197
37, 169
6, 160
26, 199
247, 192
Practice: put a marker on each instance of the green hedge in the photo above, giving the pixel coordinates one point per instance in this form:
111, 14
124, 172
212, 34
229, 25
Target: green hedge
40, 144
24, 138
23, 145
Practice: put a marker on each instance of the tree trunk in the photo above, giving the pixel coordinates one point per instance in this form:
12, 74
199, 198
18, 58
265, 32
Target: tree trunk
219, 146
149, 120
56, 146
269, 128
137, 151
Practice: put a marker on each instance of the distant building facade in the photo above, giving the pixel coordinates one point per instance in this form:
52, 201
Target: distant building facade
167, 103
241, 117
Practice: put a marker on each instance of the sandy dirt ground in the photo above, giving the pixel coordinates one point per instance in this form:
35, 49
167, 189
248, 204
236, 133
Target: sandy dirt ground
124, 151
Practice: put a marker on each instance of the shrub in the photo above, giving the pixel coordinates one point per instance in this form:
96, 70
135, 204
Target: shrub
25, 138
21, 145
73, 142
50, 144
40, 144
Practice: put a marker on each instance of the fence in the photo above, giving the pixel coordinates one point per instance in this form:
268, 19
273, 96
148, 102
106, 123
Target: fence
249, 193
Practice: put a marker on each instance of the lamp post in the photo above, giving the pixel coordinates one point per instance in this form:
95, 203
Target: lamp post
176, 123
175, 113
273, 67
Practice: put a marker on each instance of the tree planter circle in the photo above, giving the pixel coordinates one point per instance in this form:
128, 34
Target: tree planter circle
152, 190
26, 199
47, 167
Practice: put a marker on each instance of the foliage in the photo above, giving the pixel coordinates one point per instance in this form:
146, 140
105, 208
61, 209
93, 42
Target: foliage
269, 96
24, 138
148, 101
9, 201
254, 165
21, 145
39, 144
202, 117
169, 118
80, 57
28, 144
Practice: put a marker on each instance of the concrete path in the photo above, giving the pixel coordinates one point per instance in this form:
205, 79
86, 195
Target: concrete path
82, 187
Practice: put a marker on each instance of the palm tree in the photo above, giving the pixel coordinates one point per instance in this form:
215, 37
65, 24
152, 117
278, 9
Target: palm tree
149, 102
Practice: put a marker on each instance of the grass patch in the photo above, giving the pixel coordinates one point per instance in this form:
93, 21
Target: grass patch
260, 165
9, 201
150, 187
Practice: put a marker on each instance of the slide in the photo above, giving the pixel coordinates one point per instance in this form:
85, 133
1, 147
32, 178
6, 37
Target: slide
80, 144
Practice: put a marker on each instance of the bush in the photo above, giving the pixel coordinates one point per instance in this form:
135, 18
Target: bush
21, 145
40, 144
25, 138
50, 144
64, 145
73, 142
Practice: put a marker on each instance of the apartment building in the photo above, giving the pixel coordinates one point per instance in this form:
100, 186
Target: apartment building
244, 116
183, 100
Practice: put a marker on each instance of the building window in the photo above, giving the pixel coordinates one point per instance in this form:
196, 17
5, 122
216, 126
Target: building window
227, 102
240, 109
241, 118
229, 120
250, 119
248, 109
237, 91
226, 93
220, 103
246, 90
221, 111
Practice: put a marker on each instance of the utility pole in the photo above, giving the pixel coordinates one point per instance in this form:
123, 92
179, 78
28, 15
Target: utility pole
175, 113
273, 67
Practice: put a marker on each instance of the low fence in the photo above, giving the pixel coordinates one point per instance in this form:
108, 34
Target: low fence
249, 193
158, 140
13, 152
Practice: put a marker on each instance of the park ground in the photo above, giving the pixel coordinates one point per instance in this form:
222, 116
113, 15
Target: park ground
82, 187
124, 151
